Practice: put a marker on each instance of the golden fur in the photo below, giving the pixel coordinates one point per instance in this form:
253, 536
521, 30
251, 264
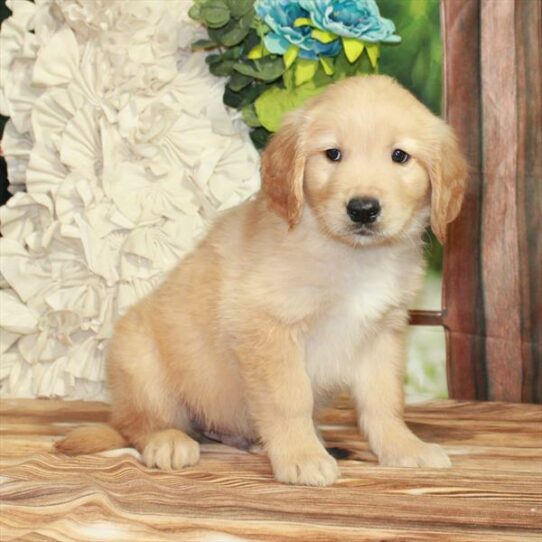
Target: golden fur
283, 304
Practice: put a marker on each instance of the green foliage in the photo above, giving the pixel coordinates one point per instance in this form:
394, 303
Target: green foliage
250, 117
238, 8
275, 102
233, 33
417, 61
433, 252
215, 13
262, 85
266, 69
259, 137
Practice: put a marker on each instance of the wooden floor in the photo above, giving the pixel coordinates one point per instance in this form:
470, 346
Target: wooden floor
493, 492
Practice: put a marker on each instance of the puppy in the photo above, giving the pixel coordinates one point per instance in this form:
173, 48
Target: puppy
294, 295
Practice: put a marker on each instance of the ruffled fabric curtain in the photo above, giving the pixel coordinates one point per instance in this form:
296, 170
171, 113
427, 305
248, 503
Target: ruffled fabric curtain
120, 152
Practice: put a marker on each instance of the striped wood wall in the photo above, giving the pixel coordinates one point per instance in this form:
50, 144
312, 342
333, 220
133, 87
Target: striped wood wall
493, 261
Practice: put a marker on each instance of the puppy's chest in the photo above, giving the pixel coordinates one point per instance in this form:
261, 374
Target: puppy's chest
353, 312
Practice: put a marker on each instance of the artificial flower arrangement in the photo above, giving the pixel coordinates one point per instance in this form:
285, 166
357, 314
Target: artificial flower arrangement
278, 53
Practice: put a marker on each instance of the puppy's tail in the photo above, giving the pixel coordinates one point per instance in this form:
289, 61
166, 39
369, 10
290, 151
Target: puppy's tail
90, 439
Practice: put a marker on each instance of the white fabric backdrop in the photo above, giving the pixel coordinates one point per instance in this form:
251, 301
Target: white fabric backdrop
120, 136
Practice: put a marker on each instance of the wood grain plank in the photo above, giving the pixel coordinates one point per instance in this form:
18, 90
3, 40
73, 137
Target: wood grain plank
493, 492
81, 525
54, 409
66, 412
343, 505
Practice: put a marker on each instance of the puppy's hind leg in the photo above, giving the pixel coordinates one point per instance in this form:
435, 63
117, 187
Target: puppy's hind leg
146, 410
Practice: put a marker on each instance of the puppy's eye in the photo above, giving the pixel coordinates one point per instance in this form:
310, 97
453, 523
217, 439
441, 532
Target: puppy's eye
334, 154
400, 156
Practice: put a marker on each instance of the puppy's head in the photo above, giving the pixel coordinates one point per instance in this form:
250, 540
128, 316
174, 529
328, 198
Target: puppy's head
370, 160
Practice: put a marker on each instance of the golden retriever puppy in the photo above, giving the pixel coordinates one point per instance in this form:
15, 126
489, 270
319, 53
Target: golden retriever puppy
294, 295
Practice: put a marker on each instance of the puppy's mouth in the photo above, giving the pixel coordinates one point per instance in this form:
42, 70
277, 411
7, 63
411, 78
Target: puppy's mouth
364, 230
366, 234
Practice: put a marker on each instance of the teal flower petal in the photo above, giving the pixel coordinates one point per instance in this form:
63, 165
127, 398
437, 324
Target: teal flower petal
358, 19
276, 44
280, 16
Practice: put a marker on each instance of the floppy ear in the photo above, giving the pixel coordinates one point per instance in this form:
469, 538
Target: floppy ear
448, 174
283, 165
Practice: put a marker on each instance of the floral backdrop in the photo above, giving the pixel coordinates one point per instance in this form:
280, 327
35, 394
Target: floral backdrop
276, 53
120, 151
119, 133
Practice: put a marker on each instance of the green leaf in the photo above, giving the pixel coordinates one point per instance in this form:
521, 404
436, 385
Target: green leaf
244, 97
373, 51
245, 21
289, 78
267, 69
323, 36
303, 21
363, 65
203, 44
290, 55
418, 24
275, 102
257, 51
215, 13
236, 31
250, 117
238, 81
214, 58
352, 48
229, 54
229, 35
305, 70
233, 53
321, 79
259, 137
327, 65
260, 27
195, 13
232, 99
222, 68
238, 8
251, 40
343, 67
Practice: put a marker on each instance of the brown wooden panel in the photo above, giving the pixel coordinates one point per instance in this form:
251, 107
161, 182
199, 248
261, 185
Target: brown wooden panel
493, 262
528, 23
426, 318
462, 294
500, 253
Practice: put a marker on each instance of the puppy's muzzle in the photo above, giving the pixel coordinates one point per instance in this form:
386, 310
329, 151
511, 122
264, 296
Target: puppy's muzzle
363, 211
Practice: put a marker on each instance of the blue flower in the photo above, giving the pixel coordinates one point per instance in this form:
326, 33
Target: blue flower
358, 19
280, 16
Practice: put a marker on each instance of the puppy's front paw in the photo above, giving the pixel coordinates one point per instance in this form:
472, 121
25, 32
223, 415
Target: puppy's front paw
309, 467
170, 450
416, 453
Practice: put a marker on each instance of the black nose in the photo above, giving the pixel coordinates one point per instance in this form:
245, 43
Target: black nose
363, 210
